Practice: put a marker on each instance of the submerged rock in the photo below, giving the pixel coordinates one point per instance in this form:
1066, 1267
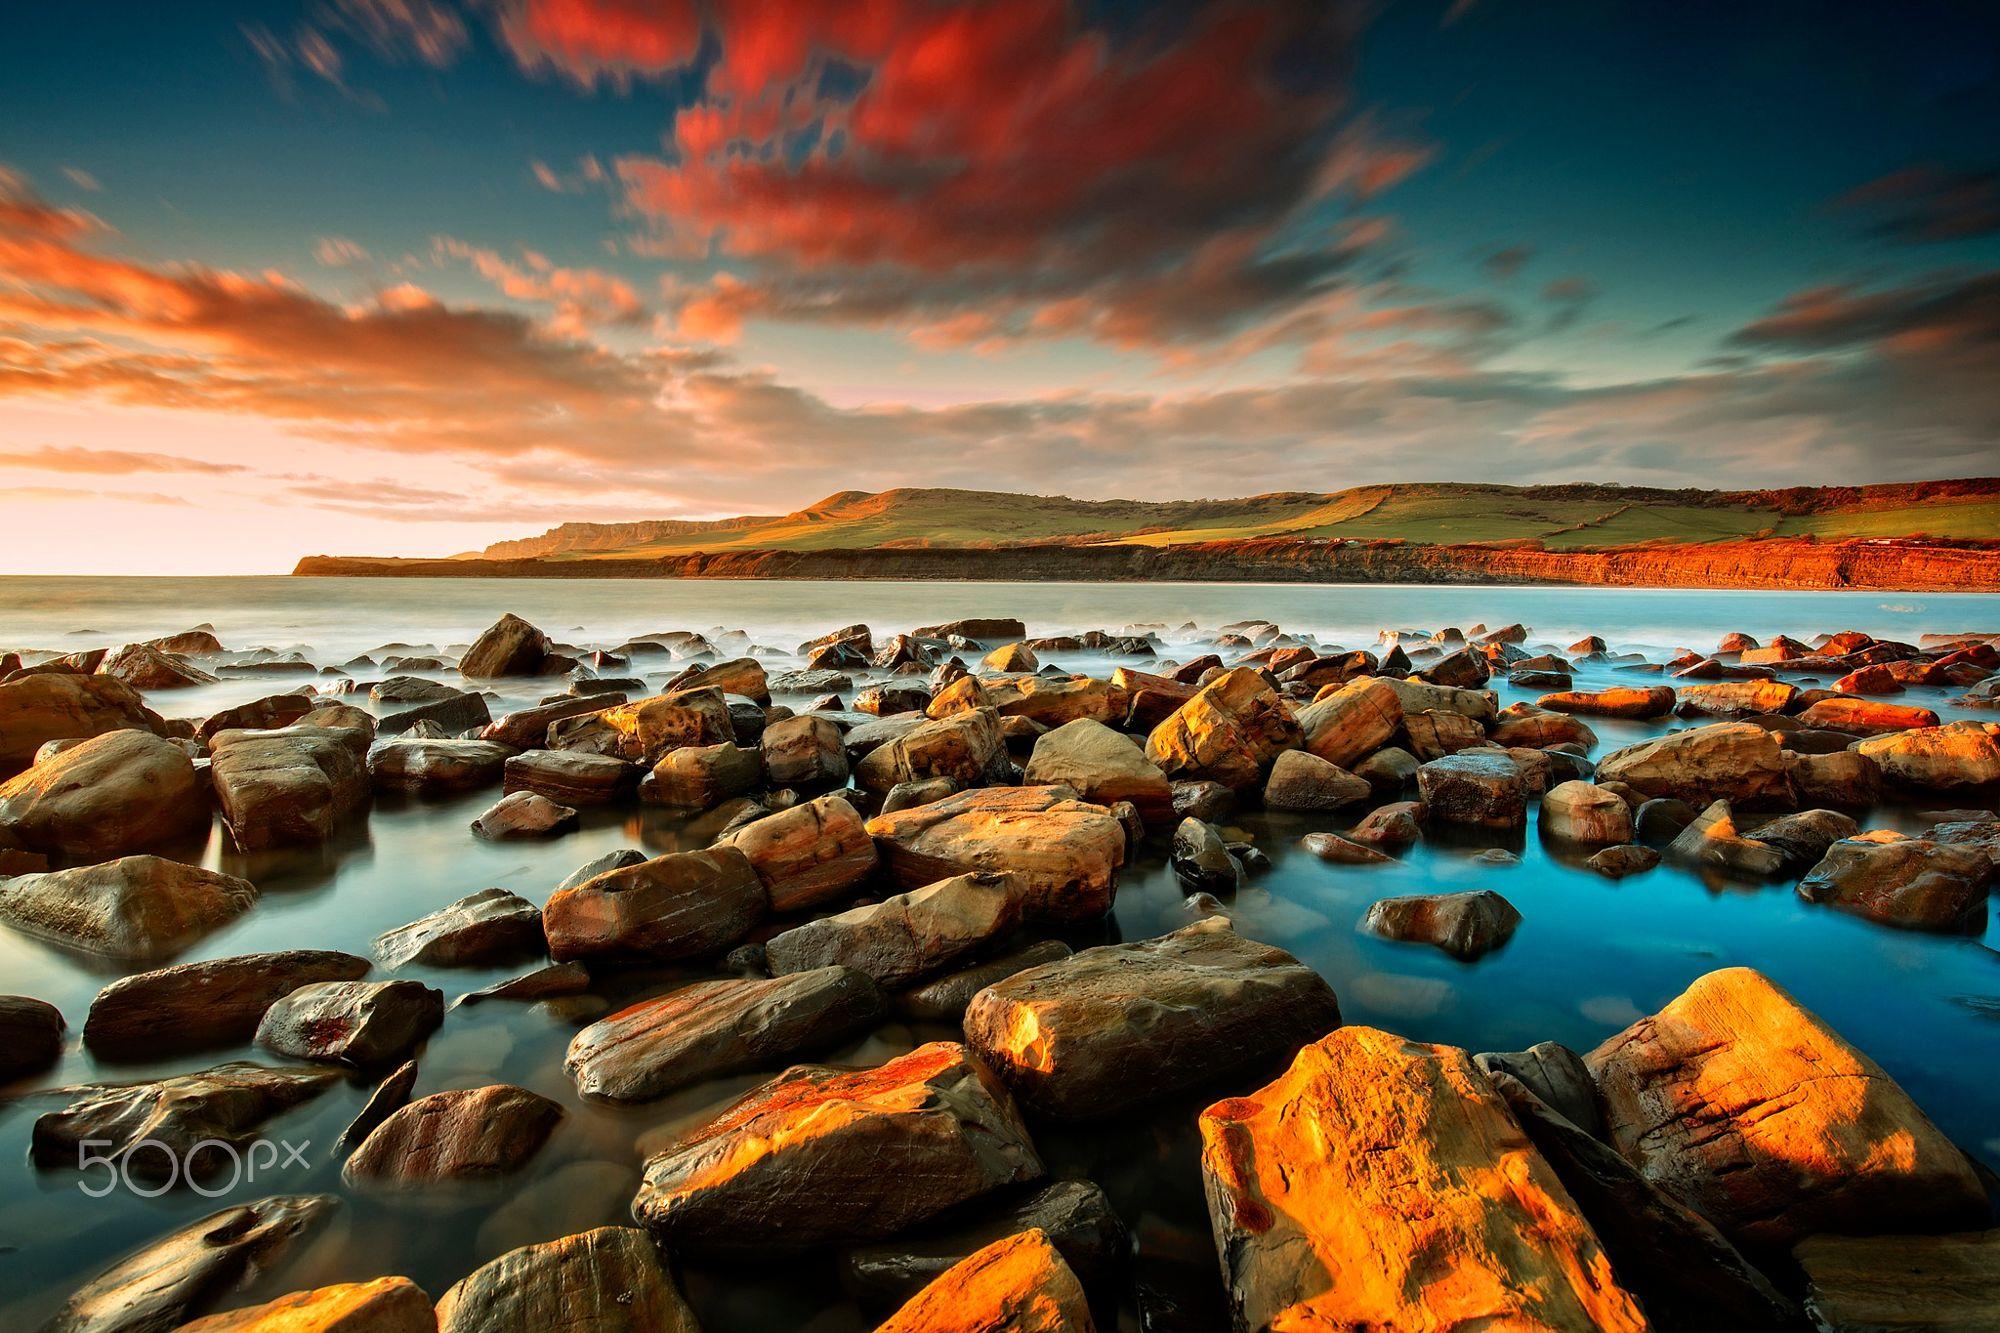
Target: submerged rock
114, 793
1908, 882
682, 905
1464, 925
1202, 861
609, 1280
1020, 1284
195, 1006
1583, 812
1063, 853
1712, 842
136, 909
1619, 862
467, 1134
359, 1023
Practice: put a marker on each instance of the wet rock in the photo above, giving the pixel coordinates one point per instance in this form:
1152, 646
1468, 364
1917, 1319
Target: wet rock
1620, 862
1464, 925
1581, 812
1912, 883
31, 1036
1103, 767
909, 795
894, 697
438, 719
270, 713
1013, 658
466, 1134
701, 777
528, 728
904, 937
1333, 848
966, 747
1640, 702
136, 909
613, 860
1125, 1024
1524, 726
1020, 1284
1388, 771
341, 717
1202, 861
1749, 1109
47, 707
1230, 732
114, 793
187, 1128
1846, 780
1398, 824
715, 1028
524, 814
646, 730
1481, 789
1053, 701
1556, 1075
822, 1155
1352, 722
510, 647
740, 676
410, 690
944, 1000
810, 854
479, 930
1902, 1282
1733, 761
1416, 696
682, 905
804, 751
568, 777
1866, 717
1960, 754
1802, 839
436, 766
993, 629
360, 1023
385, 1305
195, 1006
293, 784
1309, 1182
391, 1095
543, 983
168, 1281
1063, 853
609, 1280
1733, 698
1712, 842
1659, 821
1301, 780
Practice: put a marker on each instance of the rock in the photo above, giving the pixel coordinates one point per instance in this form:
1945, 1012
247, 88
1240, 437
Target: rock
183, 1129
1310, 1182
613, 860
465, 1134
436, 766
359, 1023
1802, 839
1014, 658
1416, 696
341, 717
569, 777
410, 690
1902, 1282
609, 1280
1202, 861
510, 647
136, 909
1122, 1025
1397, 824
479, 930
1659, 821
1301, 780
966, 747
1733, 761
645, 731
1641, 702
1230, 732
1540, 730
1845, 779
1582, 812
391, 1095
1464, 925
293, 784
1019, 1284
1959, 754
196, 642
31, 1036
1866, 717
270, 713
716, 1028
528, 728
1731, 698
909, 795
679, 906
47, 707
894, 697
1352, 722
1750, 1110
195, 1006
168, 1281
1202, 800
1556, 1075
112, 794
439, 719
804, 751
997, 629
524, 814
541, 984
385, 1305
944, 1000
1619, 862
1480, 789
1712, 842
1063, 853
905, 937
740, 676
822, 1155
701, 777
1910, 882
1103, 767
1331, 847
810, 854
1053, 701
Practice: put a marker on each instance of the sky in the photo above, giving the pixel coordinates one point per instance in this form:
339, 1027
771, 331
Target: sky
406, 277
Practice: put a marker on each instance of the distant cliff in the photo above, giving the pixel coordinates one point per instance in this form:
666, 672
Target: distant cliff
1778, 563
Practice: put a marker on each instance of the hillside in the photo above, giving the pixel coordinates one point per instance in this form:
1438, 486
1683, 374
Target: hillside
1559, 518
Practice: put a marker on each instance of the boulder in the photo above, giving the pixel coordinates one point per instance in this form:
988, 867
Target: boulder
1845, 779
1464, 925
715, 1028
1063, 853
1734, 761
905, 937
1659, 821
679, 906
1582, 812
740, 676
31, 1036
609, 1280
195, 1006
1398, 824
1230, 732
1902, 1282
1711, 842
1635, 702
1482, 789
1749, 1109
47, 707
944, 1000
293, 784
1013, 658
439, 719
1437, 733
510, 647
1122, 1025
1732, 698
465, 1134
810, 854
385, 1305
993, 629
528, 728
701, 777
1959, 754
524, 814
644, 731
1202, 861
1103, 767
1310, 1183
112, 794
1866, 717
359, 1023
1019, 1284
410, 690
893, 698
1417, 696
804, 751
270, 713
822, 1155
569, 777
436, 766
1802, 839
136, 909
481, 929
1554, 1074
1352, 722
966, 747
1301, 780
1619, 862
1908, 882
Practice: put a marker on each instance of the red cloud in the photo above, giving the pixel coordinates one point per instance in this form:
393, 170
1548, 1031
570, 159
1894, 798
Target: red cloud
609, 39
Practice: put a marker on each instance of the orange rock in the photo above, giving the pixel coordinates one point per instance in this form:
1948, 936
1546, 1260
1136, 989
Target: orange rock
1903, 1282
966, 747
1016, 1285
1866, 717
810, 854
645, 730
386, 1305
1353, 721
1738, 696
1628, 702
1055, 700
1747, 1107
1734, 761
1063, 853
1104, 767
1229, 732
1382, 1184
1961, 754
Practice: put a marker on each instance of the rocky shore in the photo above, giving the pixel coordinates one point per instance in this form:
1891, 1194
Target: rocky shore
925, 832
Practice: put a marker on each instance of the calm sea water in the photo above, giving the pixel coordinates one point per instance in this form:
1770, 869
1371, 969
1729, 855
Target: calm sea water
1590, 956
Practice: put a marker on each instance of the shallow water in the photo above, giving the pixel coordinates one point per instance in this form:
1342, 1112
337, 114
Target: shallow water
1590, 955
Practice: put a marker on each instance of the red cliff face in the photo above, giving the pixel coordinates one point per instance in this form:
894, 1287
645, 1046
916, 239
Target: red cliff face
1774, 564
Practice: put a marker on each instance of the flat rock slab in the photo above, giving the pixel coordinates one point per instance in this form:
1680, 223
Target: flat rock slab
714, 1028
1464, 925
386, 1305
136, 909
682, 905
1748, 1108
1627, 702
467, 1134
359, 1023
195, 1006
1903, 1282
819, 1156
1310, 1182
904, 937
610, 1280
1126, 1024
541, 984
123, 791
479, 930
1064, 853
1020, 1284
